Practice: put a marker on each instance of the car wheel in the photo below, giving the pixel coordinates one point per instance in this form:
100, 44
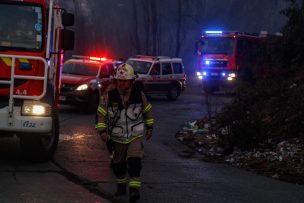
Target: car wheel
40, 148
173, 93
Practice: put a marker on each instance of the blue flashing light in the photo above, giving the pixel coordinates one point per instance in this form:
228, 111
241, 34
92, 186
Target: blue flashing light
204, 73
207, 62
214, 32
223, 74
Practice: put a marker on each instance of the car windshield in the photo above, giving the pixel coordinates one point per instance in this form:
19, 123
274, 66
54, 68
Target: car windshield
21, 27
81, 69
140, 67
217, 45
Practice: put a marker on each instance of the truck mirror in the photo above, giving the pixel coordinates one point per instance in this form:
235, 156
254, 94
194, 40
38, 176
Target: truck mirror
67, 19
68, 38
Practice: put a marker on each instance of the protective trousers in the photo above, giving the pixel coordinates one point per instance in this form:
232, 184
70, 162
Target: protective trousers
127, 158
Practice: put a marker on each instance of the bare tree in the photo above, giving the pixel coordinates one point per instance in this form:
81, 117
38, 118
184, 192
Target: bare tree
154, 24
134, 33
147, 23
187, 12
179, 27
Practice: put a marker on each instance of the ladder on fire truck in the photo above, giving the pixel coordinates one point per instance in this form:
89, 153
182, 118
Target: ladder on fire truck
11, 81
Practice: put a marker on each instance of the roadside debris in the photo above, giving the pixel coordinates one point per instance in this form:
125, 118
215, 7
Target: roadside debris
282, 160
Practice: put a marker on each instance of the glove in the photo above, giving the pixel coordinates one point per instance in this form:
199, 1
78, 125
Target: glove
104, 136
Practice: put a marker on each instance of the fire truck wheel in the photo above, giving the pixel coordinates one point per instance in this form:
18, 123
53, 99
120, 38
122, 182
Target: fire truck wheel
38, 148
173, 92
92, 103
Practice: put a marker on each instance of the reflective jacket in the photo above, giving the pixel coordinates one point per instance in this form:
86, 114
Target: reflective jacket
124, 123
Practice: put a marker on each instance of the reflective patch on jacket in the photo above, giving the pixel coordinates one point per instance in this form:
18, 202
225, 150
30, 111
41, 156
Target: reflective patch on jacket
126, 123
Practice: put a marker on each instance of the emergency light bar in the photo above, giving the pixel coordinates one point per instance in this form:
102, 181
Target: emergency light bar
98, 58
92, 58
213, 32
151, 57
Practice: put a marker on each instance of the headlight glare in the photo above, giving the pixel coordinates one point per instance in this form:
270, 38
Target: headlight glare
31, 109
82, 87
39, 110
233, 75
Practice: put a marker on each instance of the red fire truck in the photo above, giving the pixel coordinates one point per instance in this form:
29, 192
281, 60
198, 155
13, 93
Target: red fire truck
32, 41
222, 57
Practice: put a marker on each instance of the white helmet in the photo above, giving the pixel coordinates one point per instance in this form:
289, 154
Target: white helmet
125, 72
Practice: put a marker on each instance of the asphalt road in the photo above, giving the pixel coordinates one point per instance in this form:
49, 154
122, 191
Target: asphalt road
80, 170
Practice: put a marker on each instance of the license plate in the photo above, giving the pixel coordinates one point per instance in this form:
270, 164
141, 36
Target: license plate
62, 98
214, 74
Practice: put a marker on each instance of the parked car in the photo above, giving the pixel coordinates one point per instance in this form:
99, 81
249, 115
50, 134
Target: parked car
159, 75
83, 78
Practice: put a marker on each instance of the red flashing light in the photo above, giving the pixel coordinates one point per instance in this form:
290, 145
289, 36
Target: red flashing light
97, 58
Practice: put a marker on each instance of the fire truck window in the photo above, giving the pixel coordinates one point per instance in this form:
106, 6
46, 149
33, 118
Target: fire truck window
178, 68
166, 67
155, 69
218, 45
21, 26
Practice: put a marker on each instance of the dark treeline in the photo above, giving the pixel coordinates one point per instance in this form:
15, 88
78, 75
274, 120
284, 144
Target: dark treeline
120, 28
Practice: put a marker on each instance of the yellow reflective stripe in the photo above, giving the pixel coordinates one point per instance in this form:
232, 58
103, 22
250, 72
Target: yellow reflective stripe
149, 121
7, 61
24, 60
134, 183
102, 111
126, 141
147, 108
101, 125
121, 180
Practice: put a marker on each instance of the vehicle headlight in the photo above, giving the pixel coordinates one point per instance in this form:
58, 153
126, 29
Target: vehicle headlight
233, 75
82, 87
198, 73
36, 109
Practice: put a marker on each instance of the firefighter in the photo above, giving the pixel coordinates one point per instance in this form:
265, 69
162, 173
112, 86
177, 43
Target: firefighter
124, 118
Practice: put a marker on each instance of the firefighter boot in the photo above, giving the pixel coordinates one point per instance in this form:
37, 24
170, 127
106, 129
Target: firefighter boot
121, 190
133, 194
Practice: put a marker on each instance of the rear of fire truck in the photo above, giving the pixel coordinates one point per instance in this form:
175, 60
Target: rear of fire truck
220, 59
32, 40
